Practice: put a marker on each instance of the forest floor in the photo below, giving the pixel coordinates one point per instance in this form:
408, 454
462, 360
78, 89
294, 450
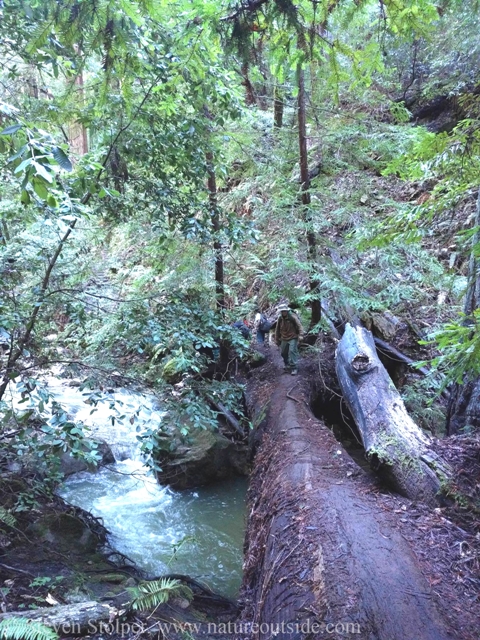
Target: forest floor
398, 569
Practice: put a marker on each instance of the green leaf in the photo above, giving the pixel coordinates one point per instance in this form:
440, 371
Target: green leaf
25, 197
42, 171
13, 128
40, 188
23, 165
62, 159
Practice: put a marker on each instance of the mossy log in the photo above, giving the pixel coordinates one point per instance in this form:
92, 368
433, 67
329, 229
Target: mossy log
71, 619
395, 446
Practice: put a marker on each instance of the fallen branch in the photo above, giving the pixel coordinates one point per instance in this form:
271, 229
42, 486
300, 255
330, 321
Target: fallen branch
385, 346
228, 415
70, 619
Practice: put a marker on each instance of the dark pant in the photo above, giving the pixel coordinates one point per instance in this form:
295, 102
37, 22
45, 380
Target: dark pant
261, 336
289, 351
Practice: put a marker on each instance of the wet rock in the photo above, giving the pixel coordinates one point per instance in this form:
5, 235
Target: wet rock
70, 465
206, 458
64, 531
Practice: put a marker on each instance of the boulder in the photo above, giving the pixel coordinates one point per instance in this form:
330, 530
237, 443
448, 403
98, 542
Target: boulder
65, 531
70, 465
206, 457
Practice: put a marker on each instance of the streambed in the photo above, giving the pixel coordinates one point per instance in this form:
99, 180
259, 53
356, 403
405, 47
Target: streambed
196, 532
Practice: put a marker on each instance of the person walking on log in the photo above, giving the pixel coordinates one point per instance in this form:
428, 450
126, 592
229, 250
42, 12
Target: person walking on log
262, 325
287, 333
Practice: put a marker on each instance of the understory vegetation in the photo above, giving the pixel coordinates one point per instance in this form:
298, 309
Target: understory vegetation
153, 192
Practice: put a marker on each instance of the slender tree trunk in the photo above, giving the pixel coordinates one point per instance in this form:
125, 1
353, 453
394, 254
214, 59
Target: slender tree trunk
217, 245
464, 405
4, 234
249, 91
278, 107
472, 297
305, 180
77, 133
217, 248
16, 352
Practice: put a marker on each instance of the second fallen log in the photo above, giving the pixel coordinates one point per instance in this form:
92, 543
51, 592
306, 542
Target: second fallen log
394, 445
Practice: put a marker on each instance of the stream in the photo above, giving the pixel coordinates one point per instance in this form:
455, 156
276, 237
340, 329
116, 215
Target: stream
195, 532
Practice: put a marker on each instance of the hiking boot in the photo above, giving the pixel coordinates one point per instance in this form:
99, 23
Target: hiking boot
286, 369
294, 372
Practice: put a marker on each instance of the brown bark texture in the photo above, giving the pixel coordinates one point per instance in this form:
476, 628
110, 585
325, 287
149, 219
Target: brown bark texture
395, 446
216, 227
306, 200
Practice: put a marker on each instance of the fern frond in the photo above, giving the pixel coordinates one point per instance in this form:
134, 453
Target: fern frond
151, 594
24, 629
7, 518
39, 36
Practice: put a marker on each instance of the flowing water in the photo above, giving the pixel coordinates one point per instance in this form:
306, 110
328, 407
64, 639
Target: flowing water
198, 532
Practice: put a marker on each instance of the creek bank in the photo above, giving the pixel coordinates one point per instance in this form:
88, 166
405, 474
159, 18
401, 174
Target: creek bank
60, 552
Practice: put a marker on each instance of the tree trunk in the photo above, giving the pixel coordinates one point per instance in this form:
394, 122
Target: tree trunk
217, 245
249, 91
305, 180
72, 619
463, 411
464, 406
278, 107
77, 133
393, 443
217, 250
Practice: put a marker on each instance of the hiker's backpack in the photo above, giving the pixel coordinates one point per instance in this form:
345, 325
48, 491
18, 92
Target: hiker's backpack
265, 324
244, 330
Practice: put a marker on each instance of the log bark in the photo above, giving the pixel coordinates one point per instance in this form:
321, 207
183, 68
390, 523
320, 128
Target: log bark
394, 444
464, 407
71, 619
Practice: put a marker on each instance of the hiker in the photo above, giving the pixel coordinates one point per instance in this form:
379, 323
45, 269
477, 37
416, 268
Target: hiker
262, 326
242, 326
288, 331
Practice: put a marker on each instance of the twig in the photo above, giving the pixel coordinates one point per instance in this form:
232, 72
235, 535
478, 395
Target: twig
27, 573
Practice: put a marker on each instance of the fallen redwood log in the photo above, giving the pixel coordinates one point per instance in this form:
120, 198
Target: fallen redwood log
395, 446
323, 555
71, 619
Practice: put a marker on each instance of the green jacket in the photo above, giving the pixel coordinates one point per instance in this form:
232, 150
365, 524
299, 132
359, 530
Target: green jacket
288, 328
